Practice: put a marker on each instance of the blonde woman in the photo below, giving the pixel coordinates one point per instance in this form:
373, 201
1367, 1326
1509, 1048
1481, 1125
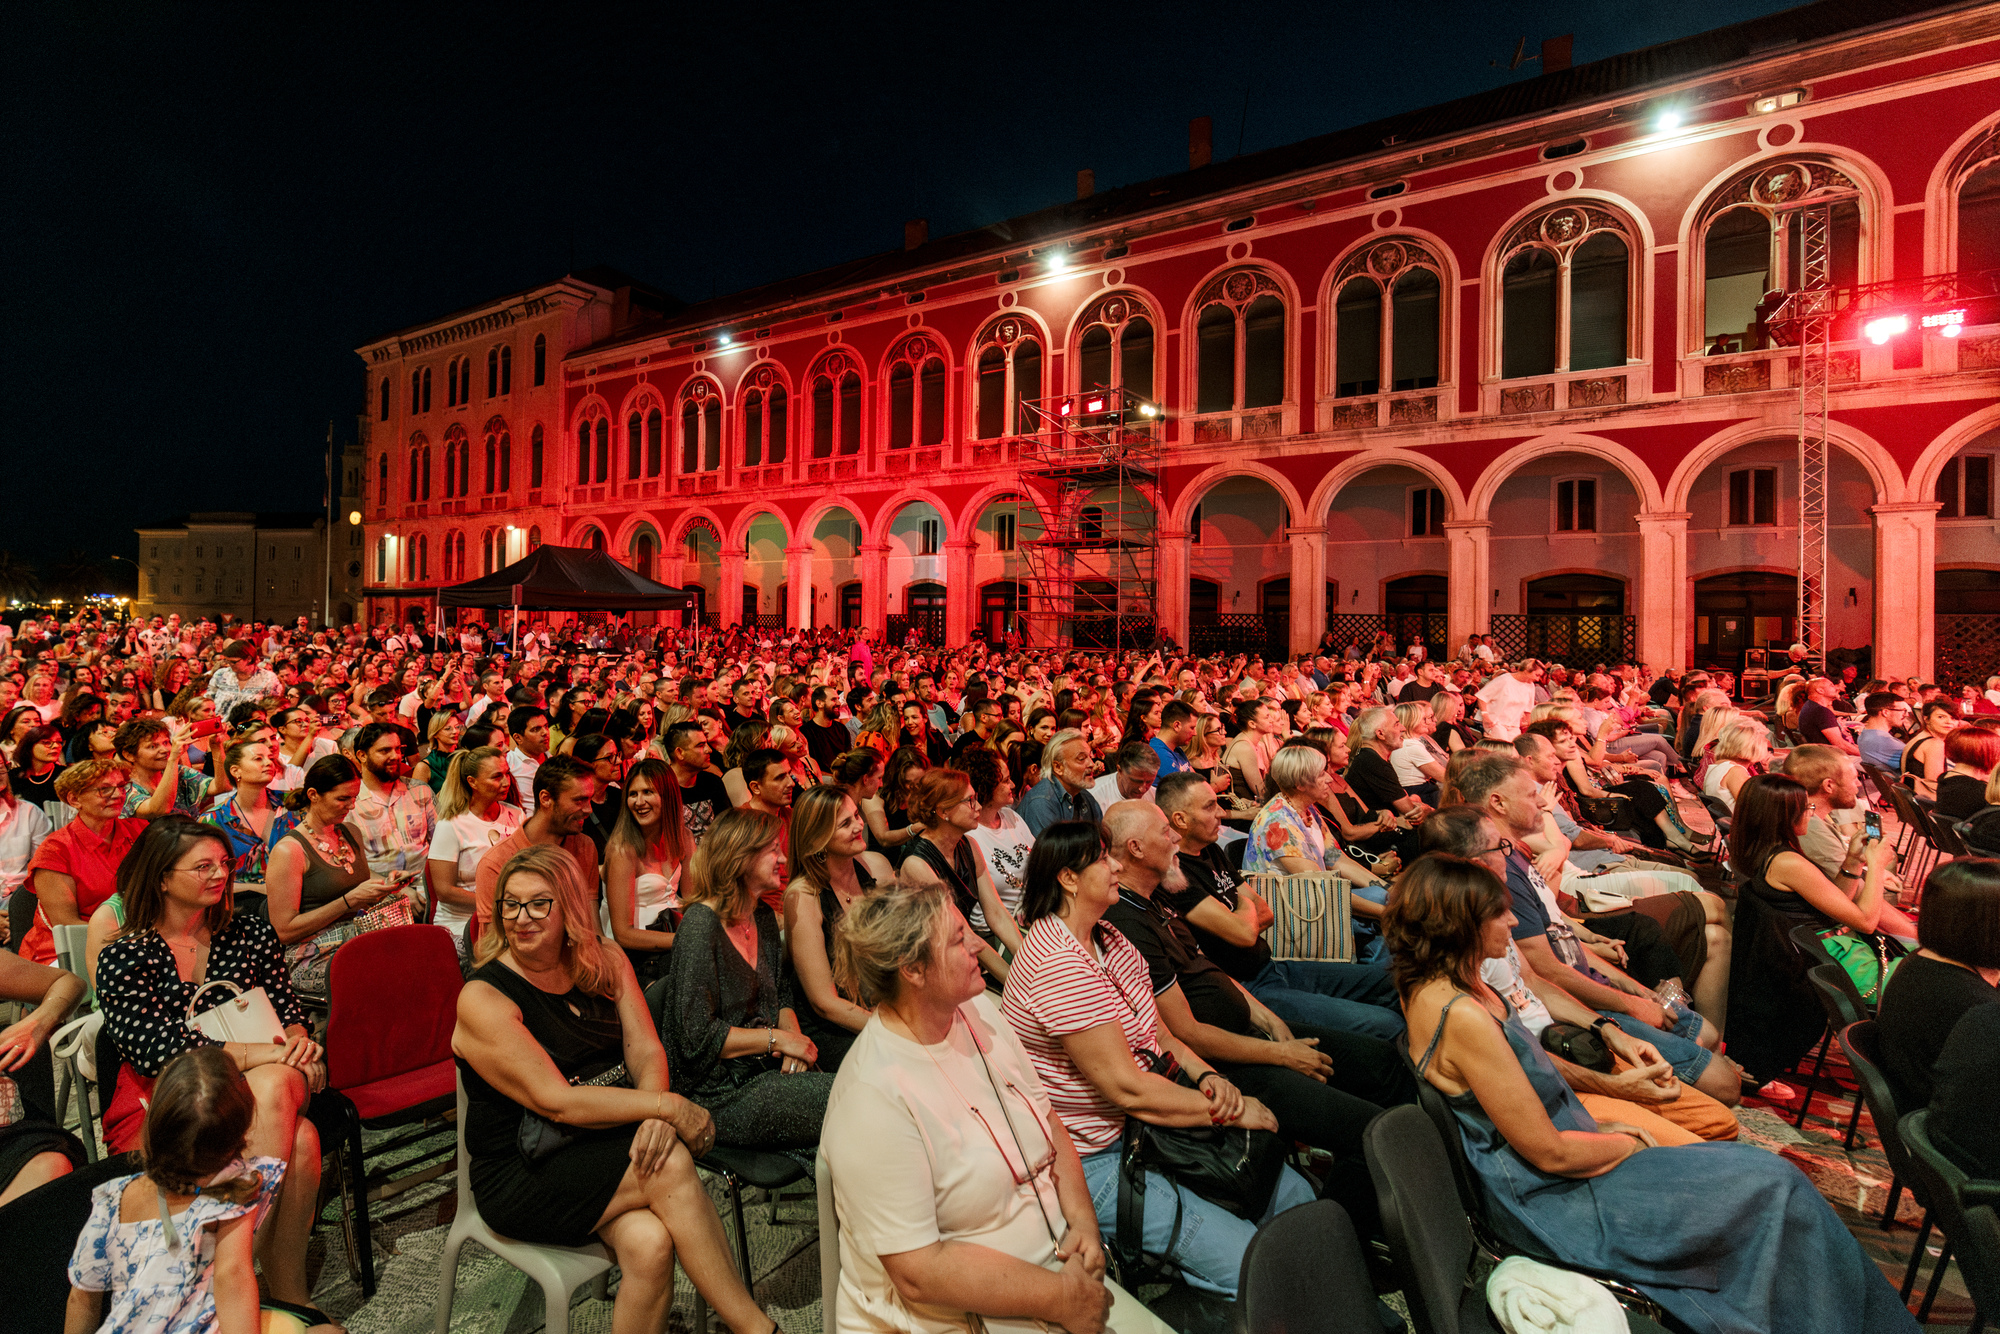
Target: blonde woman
1742, 750
834, 871
472, 815
727, 1013
549, 1009
643, 861
791, 743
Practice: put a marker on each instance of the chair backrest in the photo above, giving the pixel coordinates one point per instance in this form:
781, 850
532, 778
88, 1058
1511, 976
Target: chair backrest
466, 1206
38, 1231
393, 1004
1719, 811
1837, 996
1944, 834
1445, 1123
1974, 1232
21, 905
1863, 1044
1429, 1239
70, 939
1302, 1273
829, 1241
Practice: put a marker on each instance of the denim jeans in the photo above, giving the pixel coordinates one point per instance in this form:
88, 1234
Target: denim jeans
1369, 947
1680, 1048
1347, 997
1209, 1248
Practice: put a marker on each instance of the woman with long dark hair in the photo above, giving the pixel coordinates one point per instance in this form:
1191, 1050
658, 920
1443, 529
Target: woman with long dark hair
644, 858
1702, 1229
832, 871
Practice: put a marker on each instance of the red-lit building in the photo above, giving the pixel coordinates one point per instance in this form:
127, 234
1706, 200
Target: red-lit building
1506, 365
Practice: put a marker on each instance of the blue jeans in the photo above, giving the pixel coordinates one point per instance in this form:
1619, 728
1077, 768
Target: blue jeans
1369, 947
1209, 1249
1679, 1048
1346, 997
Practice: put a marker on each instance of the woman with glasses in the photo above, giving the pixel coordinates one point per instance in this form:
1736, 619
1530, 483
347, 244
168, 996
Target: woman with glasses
570, 1129
37, 762
946, 811
182, 930
75, 869
960, 1196
599, 754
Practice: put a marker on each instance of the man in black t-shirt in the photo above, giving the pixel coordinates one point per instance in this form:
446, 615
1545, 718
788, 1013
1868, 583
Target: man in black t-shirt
1228, 919
703, 797
1323, 1086
1375, 734
826, 738
1819, 725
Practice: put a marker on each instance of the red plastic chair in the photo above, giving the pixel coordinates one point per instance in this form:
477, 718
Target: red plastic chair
393, 1005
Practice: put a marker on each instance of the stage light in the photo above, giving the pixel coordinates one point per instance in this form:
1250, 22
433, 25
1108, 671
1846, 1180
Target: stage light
1148, 410
354, 517
1946, 322
1094, 405
1881, 330
1066, 407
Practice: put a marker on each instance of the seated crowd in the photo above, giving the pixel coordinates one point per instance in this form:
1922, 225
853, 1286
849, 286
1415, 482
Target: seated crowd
964, 922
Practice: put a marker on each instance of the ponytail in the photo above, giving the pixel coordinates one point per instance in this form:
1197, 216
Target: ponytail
326, 775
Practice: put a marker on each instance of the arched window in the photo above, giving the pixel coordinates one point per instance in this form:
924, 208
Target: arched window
1565, 292
765, 409
535, 458
1979, 205
385, 398
457, 463
506, 460
654, 420
534, 537
492, 474
1009, 373
382, 481
602, 472
486, 565
541, 360
1387, 297
1240, 343
416, 462
451, 383
506, 370
635, 446
701, 427
835, 389
427, 389
1752, 244
492, 371
592, 539
916, 393
1116, 350
644, 548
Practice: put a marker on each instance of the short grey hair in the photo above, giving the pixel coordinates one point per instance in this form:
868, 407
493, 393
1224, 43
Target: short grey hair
1295, 768
1053, 749
1370, 722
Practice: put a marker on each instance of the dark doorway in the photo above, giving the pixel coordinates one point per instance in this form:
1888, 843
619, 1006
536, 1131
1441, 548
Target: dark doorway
1414, 610
1742, 610
850, 606
923, 609
999, 611
1577, 618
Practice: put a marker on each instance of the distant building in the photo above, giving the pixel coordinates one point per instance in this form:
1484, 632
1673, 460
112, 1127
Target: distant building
254, 567
1506, 365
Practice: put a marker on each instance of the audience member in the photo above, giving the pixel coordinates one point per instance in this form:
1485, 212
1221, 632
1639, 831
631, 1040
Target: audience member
832, 871
1955, 968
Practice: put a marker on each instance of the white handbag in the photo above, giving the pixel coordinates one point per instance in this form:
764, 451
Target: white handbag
1311, 917
246, 1016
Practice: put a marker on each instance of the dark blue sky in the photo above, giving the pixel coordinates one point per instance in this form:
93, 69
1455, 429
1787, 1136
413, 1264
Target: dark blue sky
206, 207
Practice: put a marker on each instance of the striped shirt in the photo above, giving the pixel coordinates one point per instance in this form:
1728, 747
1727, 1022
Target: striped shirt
1056, 988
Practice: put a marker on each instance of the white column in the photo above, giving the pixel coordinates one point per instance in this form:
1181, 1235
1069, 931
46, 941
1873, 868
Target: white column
959, 593
1661, 605
798, 579
875, 587
732, 588
1905, 589
1469, 600
1308, 587
1170, 591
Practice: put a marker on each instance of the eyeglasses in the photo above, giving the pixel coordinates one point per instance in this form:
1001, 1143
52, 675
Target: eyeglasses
109, 791
1504, 847
534, 909
206, 870
1027, 1171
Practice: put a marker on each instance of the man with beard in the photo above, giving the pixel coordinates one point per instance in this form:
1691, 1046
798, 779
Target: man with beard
393, 819
564, 793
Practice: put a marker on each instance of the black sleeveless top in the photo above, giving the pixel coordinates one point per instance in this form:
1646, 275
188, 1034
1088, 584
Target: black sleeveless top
960, 875
580, 1032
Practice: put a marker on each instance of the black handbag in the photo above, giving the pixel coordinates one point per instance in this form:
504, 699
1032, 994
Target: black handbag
538, 1137
1228, 1166
1577, 1045
1612, 812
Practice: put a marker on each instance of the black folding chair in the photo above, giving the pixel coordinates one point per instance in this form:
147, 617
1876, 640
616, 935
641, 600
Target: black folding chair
37, 1233
21, 906
1843, 1006
1971, 1230
1863, 1044
1303, 1274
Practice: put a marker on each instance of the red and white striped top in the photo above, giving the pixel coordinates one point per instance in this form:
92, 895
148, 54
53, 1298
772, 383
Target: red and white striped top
1055, 988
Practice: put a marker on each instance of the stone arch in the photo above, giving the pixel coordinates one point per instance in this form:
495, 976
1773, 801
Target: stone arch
627, 532
1334, 276
640, 397
903, 348
1507, 238
1883, 473
691, 519
739, 527
968, 515
1924, 474
588, 408
1205, 481
1366, 461
1976, 145
1496, 473
875, 529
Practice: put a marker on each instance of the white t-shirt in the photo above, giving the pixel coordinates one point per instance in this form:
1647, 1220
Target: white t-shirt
1405, 758
295, 774
1504, 976
463, 840
1006, 850
1105, 789
911, 1166
1502, 702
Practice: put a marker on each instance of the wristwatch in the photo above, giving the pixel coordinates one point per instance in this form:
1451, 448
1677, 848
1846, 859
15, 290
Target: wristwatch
1597, 1026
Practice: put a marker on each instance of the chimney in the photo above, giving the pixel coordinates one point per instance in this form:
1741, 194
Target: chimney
915, 232
1555, 53
1086, 183
1201, 142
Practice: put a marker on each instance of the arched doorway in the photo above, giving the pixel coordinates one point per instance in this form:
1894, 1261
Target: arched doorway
1968, 634
1413, 611
1740, 611
1578, 620
1238, 550
923, 612
999, 611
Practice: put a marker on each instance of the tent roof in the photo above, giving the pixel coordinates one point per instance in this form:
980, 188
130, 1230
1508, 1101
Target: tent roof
567, 579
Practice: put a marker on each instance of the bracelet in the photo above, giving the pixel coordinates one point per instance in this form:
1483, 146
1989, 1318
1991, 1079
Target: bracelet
771, 1046
1206, 1074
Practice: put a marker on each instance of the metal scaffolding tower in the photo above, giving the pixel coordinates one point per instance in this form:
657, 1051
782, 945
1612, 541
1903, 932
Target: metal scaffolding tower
1814, 307
1091, 469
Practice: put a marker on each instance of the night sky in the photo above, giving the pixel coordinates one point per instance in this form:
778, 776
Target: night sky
208, 207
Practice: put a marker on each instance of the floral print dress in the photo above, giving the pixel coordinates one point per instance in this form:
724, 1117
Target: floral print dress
154, 1289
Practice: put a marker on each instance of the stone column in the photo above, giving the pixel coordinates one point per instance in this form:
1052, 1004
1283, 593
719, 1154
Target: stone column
1170, 587
960, 597
732, 588
1661, 600
1308, 587
798, 578
875, 587
1470, 601
1905, 628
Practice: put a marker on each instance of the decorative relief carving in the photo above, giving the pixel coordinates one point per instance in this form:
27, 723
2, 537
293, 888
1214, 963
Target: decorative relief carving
1237, 287
1113, 309
1413, 411
1736, 377
917, 348
1005, 331
1263, 425
1350, 416
836, 364
896, 463
1979, 354
1528, 398
1214, 429
698, 390
1385, 259
763, 377
1597, 393
846, 468
1779, 184
1563, 227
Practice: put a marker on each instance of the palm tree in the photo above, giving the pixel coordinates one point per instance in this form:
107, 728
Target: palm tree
17, 578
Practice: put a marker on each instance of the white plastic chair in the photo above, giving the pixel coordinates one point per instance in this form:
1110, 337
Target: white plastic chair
72, 1091
559, 1270
829, 1241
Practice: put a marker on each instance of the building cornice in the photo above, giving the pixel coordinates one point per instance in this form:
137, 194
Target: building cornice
487, 320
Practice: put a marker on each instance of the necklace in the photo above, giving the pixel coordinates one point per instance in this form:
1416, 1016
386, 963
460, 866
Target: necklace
339, 853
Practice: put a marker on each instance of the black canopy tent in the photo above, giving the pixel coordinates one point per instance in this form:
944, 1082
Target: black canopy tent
568, 579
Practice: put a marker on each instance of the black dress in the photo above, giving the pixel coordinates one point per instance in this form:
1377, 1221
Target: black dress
960, 877
711, 989
831, 1039
558, 1201
1920, 1006
1774, 1014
